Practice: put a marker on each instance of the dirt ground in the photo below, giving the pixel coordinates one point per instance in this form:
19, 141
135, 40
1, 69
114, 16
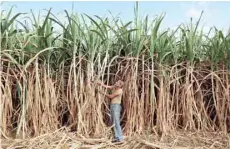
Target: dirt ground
70, 140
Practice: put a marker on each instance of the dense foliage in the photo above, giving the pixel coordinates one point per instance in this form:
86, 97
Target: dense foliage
174, 79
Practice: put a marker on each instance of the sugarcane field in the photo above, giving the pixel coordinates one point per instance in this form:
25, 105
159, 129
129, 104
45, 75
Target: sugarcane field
84, 81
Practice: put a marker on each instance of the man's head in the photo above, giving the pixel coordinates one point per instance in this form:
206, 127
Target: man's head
119, 84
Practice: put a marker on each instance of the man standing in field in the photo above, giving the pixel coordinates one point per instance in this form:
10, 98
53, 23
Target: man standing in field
115, 107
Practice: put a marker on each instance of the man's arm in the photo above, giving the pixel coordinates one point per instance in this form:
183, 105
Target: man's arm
111, 96
106, 86
100, 83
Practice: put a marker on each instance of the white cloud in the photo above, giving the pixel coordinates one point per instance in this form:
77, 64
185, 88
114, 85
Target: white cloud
202, 3
195, 8
193, 12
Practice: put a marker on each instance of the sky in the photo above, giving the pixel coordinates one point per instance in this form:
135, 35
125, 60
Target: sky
177, 12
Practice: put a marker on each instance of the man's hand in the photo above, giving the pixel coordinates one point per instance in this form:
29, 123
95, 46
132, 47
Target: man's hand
104, 94
101, 92
99, 82
88, 82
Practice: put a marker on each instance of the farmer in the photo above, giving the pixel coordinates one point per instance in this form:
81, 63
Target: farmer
115, 108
